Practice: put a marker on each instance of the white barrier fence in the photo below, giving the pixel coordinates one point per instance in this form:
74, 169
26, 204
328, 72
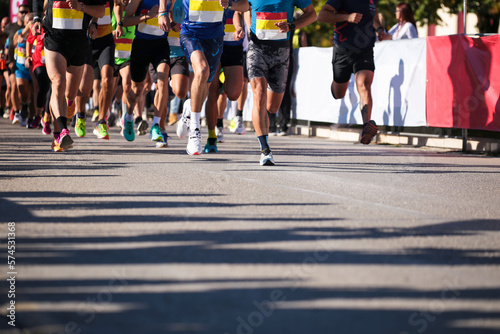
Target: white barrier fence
398, 88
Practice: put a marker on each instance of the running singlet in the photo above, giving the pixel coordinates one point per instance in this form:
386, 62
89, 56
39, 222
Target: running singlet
229, 29
265, 13
173, 37
361, 35
38, 53
123, 45
104, 27
149, 29
62, 21
203, 19
20, 49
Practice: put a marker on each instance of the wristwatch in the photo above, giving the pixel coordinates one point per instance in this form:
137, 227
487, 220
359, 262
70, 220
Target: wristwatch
291, 26
120, 24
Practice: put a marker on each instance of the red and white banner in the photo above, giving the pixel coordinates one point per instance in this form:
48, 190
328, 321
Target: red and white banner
14, 6
463, 85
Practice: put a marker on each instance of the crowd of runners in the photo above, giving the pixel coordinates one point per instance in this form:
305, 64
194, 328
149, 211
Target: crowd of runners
202, 52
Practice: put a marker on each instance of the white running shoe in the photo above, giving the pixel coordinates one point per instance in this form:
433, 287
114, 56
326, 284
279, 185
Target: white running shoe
266, 159
194, 142
183, 123
16, 119
220, 134
240, 126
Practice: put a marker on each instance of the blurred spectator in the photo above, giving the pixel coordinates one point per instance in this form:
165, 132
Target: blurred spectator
406, 26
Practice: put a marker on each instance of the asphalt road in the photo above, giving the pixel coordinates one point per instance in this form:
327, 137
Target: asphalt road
117, 237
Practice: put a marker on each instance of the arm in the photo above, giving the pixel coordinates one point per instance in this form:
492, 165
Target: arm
118, 10
328, 14
378, 27
175, 26
237, 23
164, 16
92, 10
131, 20
305, 19
240, 5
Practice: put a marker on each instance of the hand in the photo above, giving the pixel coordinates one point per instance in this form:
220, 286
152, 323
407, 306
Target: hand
175, 26
381, 34
118, 32
27, 62
153, 12
36, 28
92, 31
283, 26
354, 18
164, 23
238, 34
224, 3
74, 4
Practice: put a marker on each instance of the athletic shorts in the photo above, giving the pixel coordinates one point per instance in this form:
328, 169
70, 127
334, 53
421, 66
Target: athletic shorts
74, 51
97, 73
145, 52
270, 60
245, 71
23, 73
103, 51
345, 64
117, 68
232, 55
179, 65
13, 70
211, 48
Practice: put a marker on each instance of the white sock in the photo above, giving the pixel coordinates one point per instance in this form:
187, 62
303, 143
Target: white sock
124, 109
129, 117
156, 120
195, 120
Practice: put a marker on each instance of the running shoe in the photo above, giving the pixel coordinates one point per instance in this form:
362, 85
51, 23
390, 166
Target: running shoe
80, 127
112, 119
128, 130
220, 134
95, 115
232, 125
266, 159
101, 131
369, 131
183, 124
35, 124
172, 119
142, 127
6, 113
71, 110
240, 125
16, 119
64, 140
211, 146
23, 121
55, 144
12, 114
46, 130
282, 133
160, 144
155, 133
194, 142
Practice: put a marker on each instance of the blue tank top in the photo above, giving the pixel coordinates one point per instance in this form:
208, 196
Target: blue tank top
173, 37
149, 29
21, 49
203, 19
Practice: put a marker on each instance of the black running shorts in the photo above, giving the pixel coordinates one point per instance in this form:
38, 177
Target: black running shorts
345, 64
145, 52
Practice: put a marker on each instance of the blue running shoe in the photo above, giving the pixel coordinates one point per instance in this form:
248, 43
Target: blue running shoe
128, 130
156, 133
211, 146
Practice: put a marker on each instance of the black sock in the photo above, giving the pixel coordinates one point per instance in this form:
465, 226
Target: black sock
220, 122
264, 146
81, 114
63, 122
239, 113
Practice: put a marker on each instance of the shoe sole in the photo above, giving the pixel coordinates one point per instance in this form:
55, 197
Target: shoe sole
370, 132
141, 129
66, 143
267, 163
99, 136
